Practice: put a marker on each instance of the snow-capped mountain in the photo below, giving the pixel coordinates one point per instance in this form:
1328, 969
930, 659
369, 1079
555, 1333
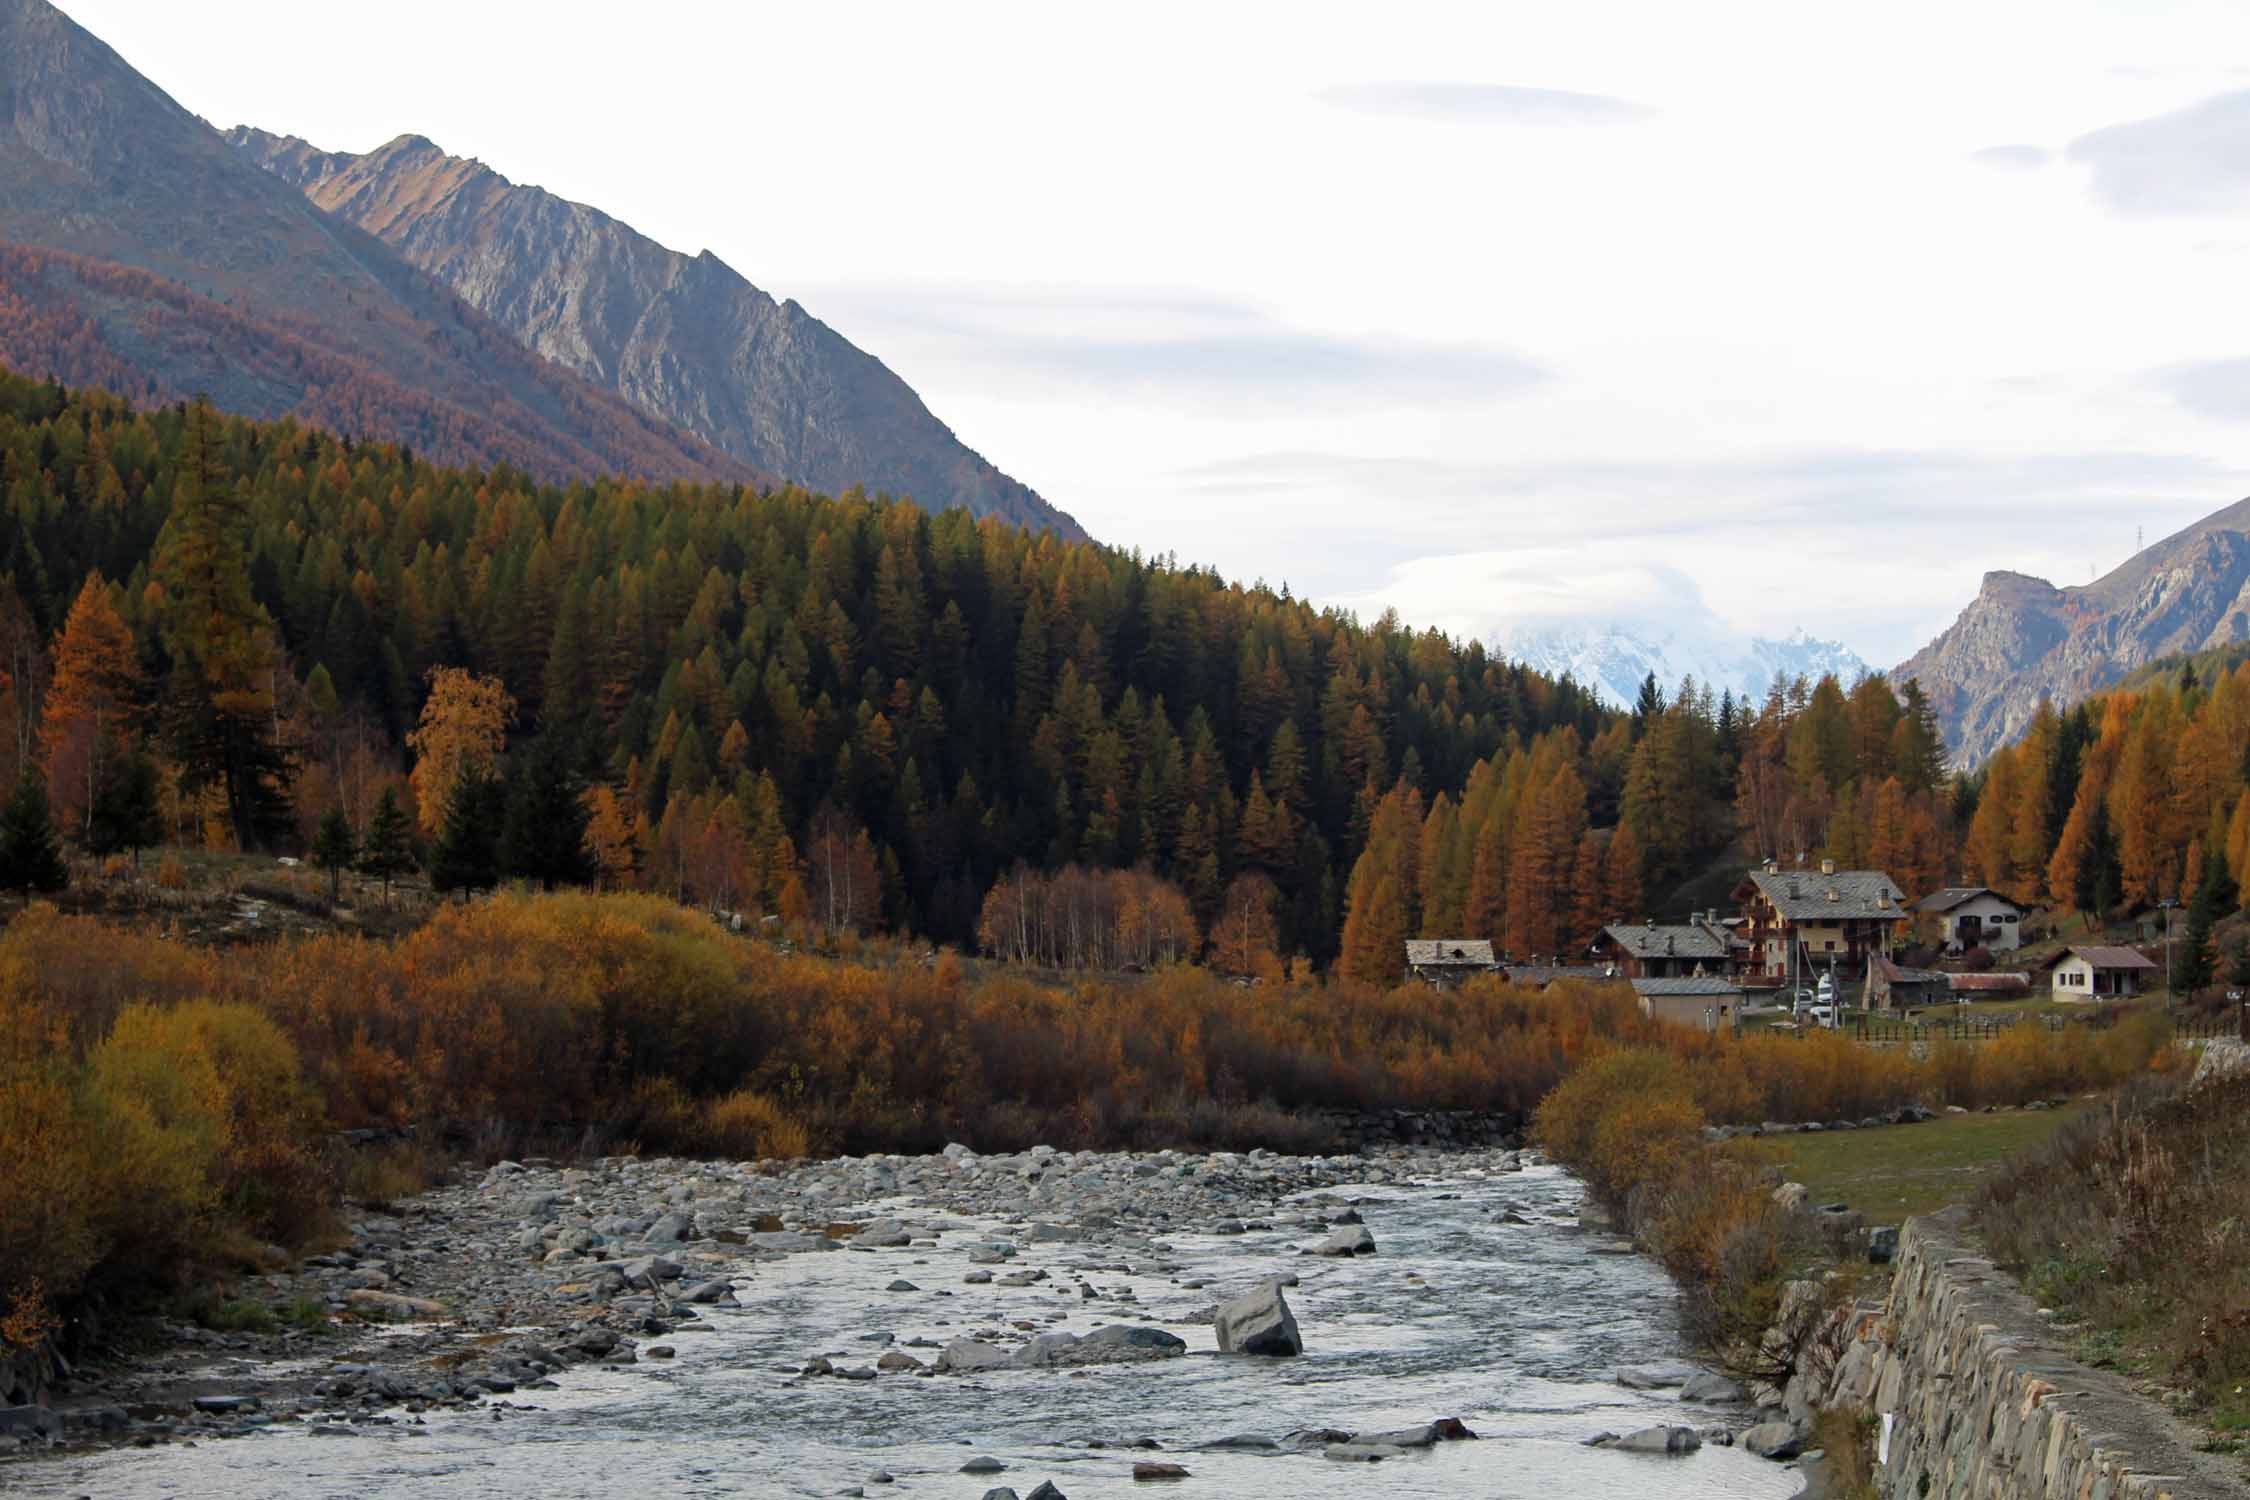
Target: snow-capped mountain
1613, 660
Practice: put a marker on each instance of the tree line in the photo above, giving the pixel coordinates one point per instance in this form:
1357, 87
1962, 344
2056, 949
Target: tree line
844, 708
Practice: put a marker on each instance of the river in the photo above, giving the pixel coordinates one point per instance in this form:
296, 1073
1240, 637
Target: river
1517, 1328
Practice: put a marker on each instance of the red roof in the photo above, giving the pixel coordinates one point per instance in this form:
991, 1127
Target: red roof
2000, 982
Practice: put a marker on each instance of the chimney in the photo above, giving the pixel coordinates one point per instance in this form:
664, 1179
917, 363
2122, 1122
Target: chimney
1828, 867
1772, 864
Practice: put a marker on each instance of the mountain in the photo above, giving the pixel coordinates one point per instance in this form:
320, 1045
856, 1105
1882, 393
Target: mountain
138, 250
684, 338
2022, 639
1614, 660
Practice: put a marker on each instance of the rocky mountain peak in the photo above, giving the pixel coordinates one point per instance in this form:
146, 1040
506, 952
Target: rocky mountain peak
2022, 639
686, 339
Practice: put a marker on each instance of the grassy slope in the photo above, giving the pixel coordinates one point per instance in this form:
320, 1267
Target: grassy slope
1896, 1171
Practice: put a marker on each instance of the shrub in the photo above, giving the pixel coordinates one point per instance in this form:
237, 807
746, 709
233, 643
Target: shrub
748, 1126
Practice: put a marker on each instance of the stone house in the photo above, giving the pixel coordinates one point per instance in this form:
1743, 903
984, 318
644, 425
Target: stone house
1831, 919
1656, 950
1443, 963
1890, 986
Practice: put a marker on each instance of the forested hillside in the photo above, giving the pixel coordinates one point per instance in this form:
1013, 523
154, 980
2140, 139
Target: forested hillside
760, 679
869, 716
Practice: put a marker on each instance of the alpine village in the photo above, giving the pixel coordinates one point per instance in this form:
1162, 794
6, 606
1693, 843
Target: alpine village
590, 901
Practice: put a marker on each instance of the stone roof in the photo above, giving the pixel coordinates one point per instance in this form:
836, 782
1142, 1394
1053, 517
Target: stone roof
1899, 974
1449, 952
1687, 984
1805, 895
1541, 975
1667, 940
2105, 958
1961, 895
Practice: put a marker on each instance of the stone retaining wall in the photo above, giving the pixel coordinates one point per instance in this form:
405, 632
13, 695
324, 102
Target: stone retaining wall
1976, 1399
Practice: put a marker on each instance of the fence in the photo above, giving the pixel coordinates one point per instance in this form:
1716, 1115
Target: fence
2203, 1028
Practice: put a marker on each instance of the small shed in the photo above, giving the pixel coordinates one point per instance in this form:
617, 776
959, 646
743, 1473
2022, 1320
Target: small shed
2098, 973
1539, 976
1703, 1001
1893, 986
1445, 962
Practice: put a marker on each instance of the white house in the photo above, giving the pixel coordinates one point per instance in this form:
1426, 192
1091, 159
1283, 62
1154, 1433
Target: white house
2098, 973
1971, 916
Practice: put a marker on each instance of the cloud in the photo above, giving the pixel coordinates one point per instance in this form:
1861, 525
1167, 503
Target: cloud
2192, 161
1170, 346
1483, 104
1876, 548
2013, 158
2216, 388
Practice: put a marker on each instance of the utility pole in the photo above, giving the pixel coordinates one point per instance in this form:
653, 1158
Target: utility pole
2166, 906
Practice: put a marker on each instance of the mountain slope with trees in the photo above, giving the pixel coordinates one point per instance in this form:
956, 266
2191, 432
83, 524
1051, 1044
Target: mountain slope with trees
841, 708
684, 338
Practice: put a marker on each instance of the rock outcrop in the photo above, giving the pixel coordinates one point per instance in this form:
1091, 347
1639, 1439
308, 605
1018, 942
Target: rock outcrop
2022, 639
684, 338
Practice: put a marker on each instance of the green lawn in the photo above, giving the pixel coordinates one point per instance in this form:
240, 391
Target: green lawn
1893, 1172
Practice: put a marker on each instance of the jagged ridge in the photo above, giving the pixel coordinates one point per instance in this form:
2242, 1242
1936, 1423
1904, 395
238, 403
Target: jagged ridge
2023, 639
157, 260
684, 338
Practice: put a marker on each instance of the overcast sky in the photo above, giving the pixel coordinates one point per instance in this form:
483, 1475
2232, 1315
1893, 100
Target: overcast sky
1740, 316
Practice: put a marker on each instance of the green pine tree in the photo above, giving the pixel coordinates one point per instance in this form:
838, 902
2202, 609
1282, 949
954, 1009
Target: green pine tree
30, 853
467, 854
2194, 964
335, 849
544, 838
388, 850
128, 811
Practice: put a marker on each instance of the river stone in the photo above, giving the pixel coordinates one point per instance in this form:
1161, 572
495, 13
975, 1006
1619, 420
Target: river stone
1258, 1322
1713, 1390
1158, 1471
1352, 1239
1656, 1377
984, 1464
1674, 1440
671, 1229
1115, 1344
1779, 1441
999, 1492
1429, 1434
1046, 1491
1361, 1453
649, 1268
970, 1354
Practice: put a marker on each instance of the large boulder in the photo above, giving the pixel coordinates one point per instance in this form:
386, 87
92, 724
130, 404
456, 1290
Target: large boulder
1258, 1322
1779, 1441
1352, 1239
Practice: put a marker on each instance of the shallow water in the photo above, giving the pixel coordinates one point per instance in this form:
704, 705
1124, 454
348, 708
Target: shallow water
1516, 1329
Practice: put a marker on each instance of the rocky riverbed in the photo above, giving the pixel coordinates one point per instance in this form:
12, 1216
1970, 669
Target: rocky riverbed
948, 1325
